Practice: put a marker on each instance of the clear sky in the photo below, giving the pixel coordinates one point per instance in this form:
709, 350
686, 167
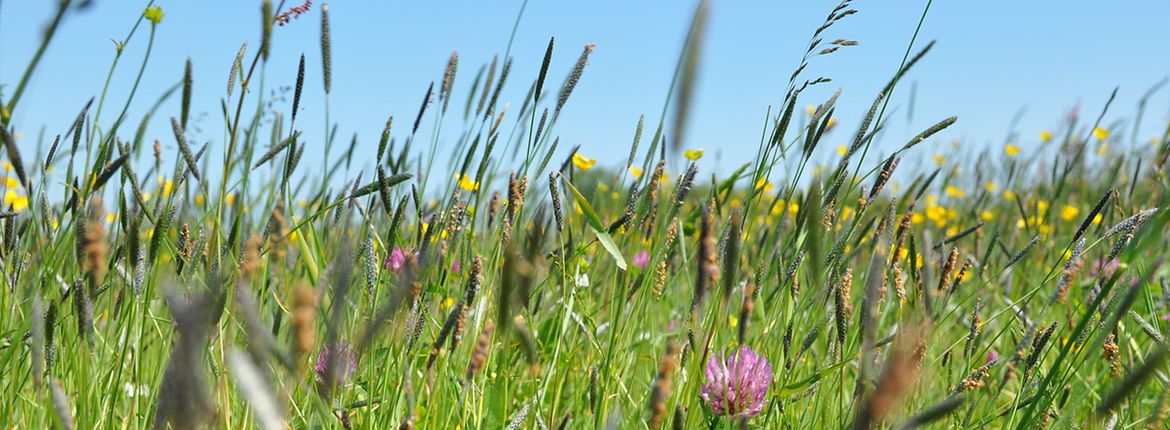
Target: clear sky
993, 59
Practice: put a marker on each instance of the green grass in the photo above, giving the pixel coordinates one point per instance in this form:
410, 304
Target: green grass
200, 296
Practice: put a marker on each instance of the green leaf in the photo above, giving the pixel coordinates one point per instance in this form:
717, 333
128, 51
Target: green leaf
594, 222
801, 385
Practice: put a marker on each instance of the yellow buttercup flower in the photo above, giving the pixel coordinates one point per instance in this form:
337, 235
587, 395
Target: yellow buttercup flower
582, 162
841, 149
1009, 195
1100, 133
1011, 150
466, 183
987, 216
763, 184
1045, 136
778, 208
955, 192
17, 201
11, 182
939, 159
1069, 212
636, 172
693, 154
991, 187
6, 166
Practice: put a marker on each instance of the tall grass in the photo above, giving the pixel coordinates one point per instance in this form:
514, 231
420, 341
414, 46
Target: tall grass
1021, 286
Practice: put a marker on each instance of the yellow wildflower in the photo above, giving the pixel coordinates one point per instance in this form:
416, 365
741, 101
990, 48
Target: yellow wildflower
953, 191
582, 162
636, 172
17, 201
693, 154
466, 183
1069, 212
1045, 136
154, 14
1100, 133
764, 184
1011, 150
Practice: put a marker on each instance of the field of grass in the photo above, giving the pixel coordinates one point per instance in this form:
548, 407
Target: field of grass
495, 285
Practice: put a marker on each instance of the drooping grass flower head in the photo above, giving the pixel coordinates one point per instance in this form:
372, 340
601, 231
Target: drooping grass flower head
737, 384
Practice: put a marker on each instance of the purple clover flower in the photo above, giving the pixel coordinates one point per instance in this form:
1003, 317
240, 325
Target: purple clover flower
737, 385
345, 358
395, 260
641, 258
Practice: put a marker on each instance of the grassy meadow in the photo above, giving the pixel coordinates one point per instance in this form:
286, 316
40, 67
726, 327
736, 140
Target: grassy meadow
511, 281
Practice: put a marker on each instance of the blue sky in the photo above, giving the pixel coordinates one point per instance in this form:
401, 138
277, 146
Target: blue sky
993, 58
